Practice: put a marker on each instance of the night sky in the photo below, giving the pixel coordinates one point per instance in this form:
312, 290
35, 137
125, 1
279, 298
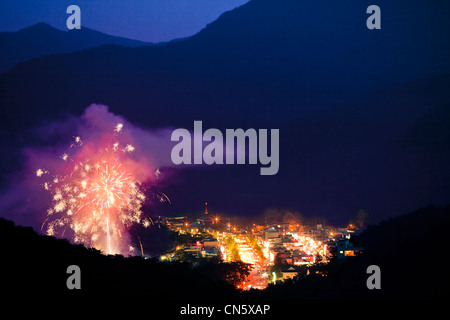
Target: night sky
363, 114
150, 21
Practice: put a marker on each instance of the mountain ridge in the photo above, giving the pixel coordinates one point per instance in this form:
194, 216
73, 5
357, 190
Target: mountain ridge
42, 39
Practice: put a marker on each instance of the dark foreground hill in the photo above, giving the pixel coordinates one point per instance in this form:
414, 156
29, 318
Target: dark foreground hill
35, 265
410, 251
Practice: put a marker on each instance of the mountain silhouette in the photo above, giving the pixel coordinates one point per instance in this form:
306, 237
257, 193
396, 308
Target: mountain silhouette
299, 55
327, 43
42, 39
351, 104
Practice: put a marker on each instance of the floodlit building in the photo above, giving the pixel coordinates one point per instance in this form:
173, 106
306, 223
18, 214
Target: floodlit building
289, 273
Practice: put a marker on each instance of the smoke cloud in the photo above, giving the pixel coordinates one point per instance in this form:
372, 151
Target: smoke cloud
26, 201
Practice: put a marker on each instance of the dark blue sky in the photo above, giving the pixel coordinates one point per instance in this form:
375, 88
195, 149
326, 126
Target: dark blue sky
150, 20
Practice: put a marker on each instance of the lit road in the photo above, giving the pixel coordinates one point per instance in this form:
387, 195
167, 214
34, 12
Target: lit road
248, 255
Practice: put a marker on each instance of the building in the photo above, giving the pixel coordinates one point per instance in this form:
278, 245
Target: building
289, 273
176, 222
300, 257
211, 243
193, 248
211, 252
205, 220
270, 234
346, 249
284, 257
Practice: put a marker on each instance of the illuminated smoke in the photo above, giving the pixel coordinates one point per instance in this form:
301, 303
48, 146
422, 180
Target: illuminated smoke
88, 187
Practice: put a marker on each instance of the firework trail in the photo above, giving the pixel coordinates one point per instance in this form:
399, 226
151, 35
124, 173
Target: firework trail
97, 196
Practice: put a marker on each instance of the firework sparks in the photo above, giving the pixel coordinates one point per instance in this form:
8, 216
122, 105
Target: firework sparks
128, 148
118, 127
98, 199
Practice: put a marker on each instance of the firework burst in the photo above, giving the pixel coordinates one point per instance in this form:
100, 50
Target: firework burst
97, 196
